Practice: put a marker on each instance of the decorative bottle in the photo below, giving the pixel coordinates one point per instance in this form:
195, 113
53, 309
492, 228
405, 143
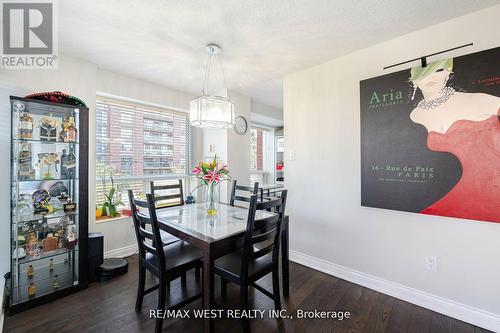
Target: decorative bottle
64, 165
51, 265
71, 164
71, 131
31, 290
56, 282
26, 171
30, 271
25, 126
49, 243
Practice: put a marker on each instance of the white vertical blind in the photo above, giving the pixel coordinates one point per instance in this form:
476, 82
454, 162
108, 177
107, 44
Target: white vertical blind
137, 144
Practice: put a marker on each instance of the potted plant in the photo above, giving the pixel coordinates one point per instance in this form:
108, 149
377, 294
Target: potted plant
109, 206
113, 195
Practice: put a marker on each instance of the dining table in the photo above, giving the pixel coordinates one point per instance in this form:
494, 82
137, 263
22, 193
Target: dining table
217, 235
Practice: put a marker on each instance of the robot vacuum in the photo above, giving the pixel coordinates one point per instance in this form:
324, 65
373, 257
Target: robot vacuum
112, 267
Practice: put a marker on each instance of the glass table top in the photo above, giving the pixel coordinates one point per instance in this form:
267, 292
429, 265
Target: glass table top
194, 219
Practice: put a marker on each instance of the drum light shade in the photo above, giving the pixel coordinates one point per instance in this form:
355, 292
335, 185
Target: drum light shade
211, 111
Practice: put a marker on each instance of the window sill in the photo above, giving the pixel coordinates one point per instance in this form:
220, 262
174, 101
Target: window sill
112, 219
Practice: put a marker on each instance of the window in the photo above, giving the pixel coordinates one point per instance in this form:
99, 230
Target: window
261, 155
136, 144
256, 149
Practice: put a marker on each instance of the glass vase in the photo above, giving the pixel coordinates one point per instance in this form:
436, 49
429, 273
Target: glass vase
212, 196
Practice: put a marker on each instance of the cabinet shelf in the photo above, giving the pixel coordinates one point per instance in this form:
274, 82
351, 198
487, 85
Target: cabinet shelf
46, 255
38, 217
45, 142
45, 180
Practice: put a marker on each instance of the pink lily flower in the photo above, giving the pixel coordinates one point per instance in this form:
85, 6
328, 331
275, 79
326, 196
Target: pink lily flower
212, 177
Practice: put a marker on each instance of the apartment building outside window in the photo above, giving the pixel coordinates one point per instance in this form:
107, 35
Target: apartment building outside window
136, 144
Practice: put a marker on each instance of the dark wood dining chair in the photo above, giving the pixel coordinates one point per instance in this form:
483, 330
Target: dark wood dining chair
166, 262
259, 256
248, 190
173, 199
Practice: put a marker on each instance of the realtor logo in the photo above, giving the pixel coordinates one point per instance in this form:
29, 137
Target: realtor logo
29, 38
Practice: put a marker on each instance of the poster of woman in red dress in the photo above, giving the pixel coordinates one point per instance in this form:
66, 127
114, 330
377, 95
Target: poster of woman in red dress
454, 109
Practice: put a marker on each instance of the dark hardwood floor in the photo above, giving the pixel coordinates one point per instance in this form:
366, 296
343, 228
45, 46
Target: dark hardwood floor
109, 307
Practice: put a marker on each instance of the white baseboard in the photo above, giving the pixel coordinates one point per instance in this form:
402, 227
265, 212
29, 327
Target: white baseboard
121, 252
469, 314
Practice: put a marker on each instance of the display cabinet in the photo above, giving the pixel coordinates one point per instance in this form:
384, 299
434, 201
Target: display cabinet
49, 201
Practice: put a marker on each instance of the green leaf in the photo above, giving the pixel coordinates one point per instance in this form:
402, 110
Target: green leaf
112, 192
104, 209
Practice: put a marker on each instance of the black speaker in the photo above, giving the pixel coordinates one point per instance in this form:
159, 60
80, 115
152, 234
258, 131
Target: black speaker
96, 254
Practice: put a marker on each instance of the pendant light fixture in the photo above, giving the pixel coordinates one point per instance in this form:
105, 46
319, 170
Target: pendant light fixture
210, 110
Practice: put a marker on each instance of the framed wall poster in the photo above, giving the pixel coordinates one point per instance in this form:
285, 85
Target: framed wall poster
430, 138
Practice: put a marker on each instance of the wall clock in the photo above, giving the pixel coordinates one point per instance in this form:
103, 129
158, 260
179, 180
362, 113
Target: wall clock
240, 125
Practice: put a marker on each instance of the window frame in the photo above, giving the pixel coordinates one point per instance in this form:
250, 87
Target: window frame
100, 146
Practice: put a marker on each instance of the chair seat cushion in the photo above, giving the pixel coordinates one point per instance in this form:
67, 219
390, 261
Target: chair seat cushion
167, 238
231, 264
176, 255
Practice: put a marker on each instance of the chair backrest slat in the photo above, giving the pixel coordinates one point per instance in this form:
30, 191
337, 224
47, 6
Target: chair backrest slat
259, 238
262, 230
140, 203
160, 197
242, 188
146, 234
166, 197
166, 187
148, 248
262, 251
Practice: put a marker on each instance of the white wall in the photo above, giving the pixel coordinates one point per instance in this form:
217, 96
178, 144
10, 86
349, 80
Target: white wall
264, 114
238, 146
121, 85
267, 110
322, 127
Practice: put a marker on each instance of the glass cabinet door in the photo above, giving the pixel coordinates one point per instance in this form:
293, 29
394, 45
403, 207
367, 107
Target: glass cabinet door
45, 203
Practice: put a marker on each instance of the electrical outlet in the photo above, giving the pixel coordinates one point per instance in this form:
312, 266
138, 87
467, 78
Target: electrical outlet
291, 155
431, 263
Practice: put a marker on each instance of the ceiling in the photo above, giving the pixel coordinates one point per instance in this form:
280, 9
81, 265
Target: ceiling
163, 41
